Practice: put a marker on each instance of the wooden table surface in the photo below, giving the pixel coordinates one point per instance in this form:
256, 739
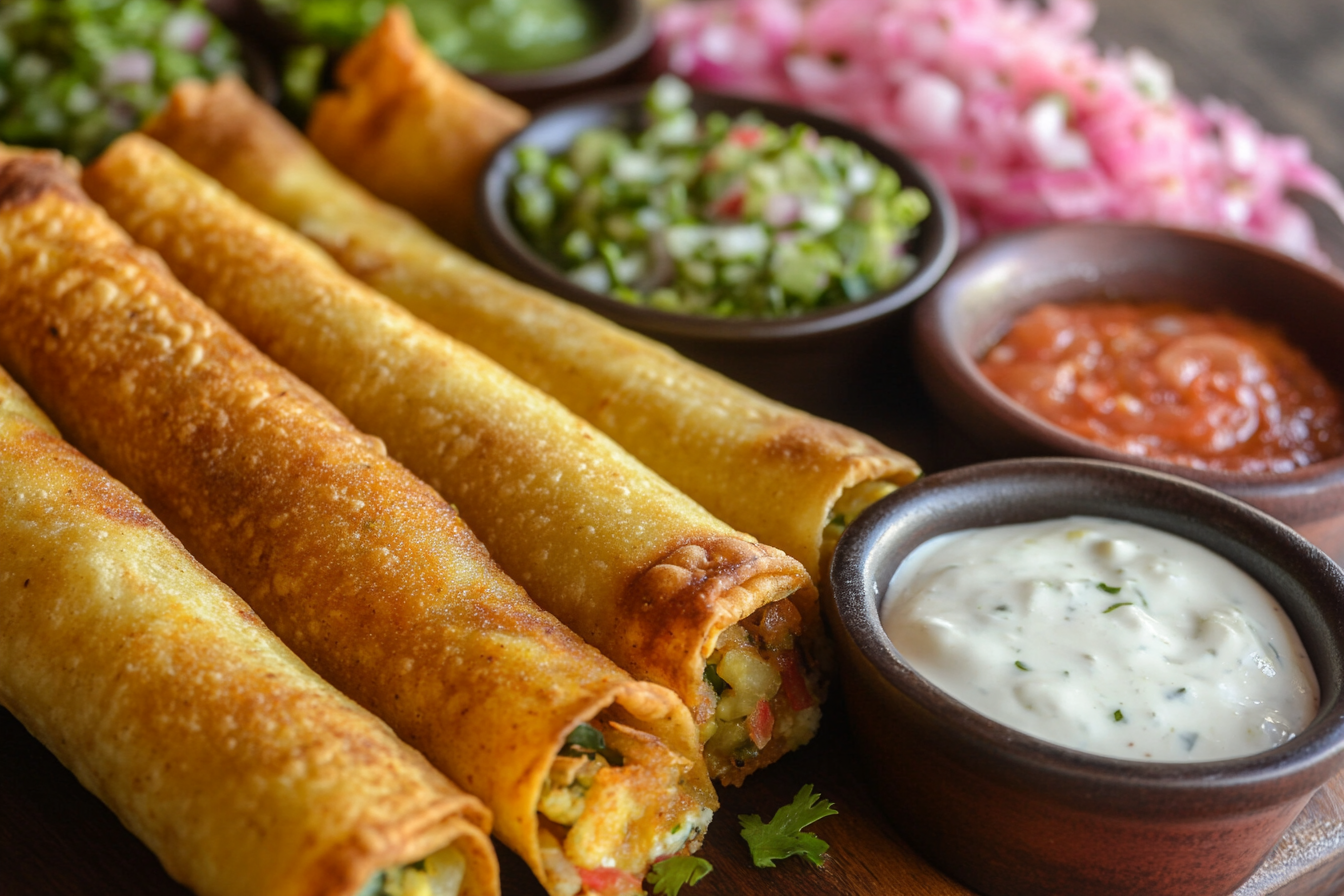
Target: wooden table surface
1283, 60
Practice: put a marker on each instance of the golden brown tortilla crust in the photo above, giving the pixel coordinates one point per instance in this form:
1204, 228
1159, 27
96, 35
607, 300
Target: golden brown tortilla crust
241, 769
360, 567
632, 565
761, 466
389, 80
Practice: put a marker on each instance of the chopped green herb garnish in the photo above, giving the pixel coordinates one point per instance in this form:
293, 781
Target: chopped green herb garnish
586, 739
1021, 665
1108, 588
1119, 716
1123, 603
784, 836
670, 875
713, 679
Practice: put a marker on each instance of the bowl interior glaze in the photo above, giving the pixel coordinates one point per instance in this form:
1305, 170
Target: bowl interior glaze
1010, 814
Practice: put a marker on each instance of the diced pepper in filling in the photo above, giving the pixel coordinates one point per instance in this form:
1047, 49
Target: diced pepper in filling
615, 800
768, 690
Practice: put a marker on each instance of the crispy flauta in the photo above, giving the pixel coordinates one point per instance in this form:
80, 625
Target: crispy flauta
361, 568
762, 467
632, 565
167, 697
457, 125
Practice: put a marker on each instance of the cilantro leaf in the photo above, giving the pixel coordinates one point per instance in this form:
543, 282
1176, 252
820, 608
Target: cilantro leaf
670, 875
784, 835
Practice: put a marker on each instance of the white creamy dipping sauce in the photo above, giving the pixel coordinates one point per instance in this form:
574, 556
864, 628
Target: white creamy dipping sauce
1104, 636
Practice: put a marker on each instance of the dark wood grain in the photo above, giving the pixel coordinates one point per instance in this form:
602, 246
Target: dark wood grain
1282, 60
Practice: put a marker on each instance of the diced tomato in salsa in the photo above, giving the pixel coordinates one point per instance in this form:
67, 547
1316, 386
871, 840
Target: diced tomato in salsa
760, 724
609, 882
793, 683
745, 135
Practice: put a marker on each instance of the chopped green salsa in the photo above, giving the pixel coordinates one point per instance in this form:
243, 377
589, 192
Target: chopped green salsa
76, 74
718, 216
472, 35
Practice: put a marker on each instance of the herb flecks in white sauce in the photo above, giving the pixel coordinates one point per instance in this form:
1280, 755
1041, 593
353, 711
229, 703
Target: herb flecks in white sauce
1104, 636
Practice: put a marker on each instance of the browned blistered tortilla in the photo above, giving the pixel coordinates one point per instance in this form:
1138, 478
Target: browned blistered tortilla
167, 697
632, 565
760, 466
362, 569
445, 126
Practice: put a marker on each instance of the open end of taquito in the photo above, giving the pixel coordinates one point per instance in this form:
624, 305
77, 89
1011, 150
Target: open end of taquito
635, 567
459, 125
363, 568
166, 696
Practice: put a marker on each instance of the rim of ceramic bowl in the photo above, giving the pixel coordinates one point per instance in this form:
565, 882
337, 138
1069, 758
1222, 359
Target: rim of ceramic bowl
937, 346
934, 245
989, 494
629, 36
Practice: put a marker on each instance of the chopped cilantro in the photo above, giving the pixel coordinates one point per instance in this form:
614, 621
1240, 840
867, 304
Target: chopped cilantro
1123, 603
1108, 588
586, 739
1021, 665
784, 835
713, 680
1119, 716
670, 875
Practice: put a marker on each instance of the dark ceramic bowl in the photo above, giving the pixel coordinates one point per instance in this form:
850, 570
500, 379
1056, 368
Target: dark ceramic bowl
1011, 815
990, 286
627, 39
795, 358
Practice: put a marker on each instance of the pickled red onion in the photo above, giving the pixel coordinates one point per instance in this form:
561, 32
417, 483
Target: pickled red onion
1014, 107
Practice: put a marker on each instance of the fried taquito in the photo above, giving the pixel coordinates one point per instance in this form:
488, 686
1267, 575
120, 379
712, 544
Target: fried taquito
167, 697
362, 569
446, 126
790, 479
632, 565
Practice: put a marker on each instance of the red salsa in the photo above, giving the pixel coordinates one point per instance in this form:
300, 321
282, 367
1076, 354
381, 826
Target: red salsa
1209, 390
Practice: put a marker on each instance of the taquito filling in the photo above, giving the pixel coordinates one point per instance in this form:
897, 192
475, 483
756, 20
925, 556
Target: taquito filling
852, 502
615, 801
768, 681
440, 874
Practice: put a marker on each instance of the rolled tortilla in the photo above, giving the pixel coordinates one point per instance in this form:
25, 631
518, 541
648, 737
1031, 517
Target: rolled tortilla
446, 126
166, 696
632, 565
362, 569
790, 479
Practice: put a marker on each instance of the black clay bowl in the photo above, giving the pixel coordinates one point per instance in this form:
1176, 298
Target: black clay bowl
817, 350
991, 285
1011, 815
